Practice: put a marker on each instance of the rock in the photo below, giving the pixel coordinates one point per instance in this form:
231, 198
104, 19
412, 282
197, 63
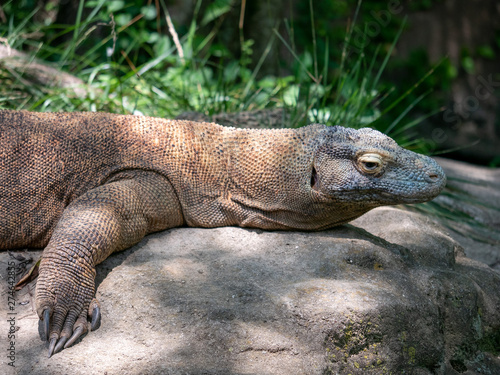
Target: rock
471, 208
33, 72
390, 293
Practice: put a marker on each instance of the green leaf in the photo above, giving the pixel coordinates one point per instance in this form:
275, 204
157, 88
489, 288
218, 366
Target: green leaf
291, 95
149, 12
123, 19
468, 64
153, 38
268, 82
216, 9
451, 71
115, 5
486, 52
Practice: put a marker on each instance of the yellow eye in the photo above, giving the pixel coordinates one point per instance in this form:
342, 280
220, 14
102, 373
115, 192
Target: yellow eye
370, 163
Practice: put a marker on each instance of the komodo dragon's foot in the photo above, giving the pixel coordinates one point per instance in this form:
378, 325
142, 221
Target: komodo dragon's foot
64, 301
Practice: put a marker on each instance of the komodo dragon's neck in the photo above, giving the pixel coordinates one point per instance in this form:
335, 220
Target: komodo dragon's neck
227, 176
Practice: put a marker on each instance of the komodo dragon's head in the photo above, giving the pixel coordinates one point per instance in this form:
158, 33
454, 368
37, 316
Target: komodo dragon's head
369, 168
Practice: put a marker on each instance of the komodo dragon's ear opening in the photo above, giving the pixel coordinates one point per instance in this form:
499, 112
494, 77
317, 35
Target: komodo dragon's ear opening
314, 178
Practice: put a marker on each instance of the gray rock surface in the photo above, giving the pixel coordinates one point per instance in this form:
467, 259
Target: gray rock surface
392, 292
472, 197
34, 72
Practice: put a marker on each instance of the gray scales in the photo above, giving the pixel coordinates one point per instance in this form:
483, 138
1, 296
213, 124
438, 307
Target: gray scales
85, 185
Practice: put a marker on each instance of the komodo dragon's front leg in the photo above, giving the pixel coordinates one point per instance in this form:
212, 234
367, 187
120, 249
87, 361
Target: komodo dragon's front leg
109, 218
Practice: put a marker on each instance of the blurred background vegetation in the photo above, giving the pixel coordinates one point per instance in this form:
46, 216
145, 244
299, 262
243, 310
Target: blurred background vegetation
426, 72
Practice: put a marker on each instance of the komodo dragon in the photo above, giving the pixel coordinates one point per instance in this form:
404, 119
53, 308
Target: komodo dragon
84, 185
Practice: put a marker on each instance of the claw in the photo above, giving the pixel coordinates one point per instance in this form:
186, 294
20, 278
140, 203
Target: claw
52, 344
76, 334
46, 323
96, 318
60, 344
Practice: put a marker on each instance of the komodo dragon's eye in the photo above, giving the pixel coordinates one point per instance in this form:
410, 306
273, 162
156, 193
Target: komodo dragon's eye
370, 163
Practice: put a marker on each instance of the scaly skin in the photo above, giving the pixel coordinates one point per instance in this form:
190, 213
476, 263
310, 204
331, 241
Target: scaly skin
84, 185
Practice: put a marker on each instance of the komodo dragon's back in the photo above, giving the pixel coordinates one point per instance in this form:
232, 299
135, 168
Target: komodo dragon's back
84, 185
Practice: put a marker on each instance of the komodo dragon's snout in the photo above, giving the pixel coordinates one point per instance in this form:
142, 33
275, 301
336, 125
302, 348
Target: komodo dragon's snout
84, 185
